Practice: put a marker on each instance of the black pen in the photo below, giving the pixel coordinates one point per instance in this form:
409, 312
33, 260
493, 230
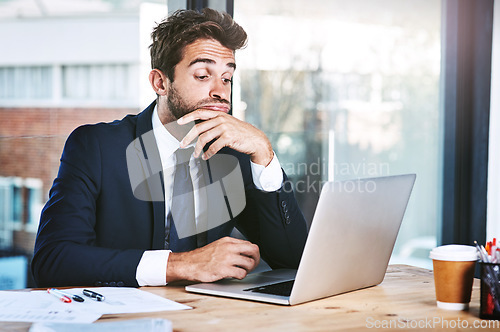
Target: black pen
93, 295
77, 298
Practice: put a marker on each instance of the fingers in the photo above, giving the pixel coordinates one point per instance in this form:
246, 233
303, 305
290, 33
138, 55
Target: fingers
252, 252
225, 130
197, 129
243, 258
200, 114
241, 248
215, 130
206, 132
240, 265
225, 258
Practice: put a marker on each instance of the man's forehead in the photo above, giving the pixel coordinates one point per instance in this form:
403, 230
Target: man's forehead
208, 49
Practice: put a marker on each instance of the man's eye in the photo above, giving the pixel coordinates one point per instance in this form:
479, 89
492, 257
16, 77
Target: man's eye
202, 77
227, 80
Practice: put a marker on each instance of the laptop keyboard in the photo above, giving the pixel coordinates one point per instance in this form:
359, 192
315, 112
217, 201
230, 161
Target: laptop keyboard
280, 288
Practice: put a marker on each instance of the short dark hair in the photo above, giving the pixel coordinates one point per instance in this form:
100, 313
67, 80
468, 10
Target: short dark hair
183, 27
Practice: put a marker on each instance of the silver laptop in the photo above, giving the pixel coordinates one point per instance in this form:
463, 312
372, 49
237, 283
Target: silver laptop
349, 245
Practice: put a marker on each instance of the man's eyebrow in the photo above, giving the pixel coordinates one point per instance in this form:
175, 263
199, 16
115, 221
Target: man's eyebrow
210, 61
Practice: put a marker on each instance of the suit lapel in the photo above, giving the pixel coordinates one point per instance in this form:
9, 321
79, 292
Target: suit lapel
148, 154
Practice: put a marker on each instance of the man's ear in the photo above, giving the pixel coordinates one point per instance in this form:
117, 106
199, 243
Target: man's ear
159, 82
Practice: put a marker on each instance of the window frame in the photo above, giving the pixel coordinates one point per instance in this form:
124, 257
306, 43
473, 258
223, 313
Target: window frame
466, 86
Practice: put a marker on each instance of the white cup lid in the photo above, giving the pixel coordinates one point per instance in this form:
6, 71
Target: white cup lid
454, 252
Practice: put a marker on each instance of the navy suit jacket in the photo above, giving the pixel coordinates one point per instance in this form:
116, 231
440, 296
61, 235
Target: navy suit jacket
94, 231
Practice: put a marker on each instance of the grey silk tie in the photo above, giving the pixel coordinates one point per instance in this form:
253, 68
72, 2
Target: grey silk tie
182, 221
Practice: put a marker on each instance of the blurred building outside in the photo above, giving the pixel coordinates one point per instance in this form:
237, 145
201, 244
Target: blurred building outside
63, 64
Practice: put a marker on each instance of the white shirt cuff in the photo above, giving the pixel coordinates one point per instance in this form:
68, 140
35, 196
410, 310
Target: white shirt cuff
269, 178
152, 268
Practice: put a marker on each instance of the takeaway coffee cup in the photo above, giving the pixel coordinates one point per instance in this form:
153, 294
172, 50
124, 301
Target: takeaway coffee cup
453, 275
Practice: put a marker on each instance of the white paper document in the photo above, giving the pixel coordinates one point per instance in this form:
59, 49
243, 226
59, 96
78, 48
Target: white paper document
122, 300
40, 306
134, 325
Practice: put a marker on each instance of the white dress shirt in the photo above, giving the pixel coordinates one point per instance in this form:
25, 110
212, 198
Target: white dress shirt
152, 267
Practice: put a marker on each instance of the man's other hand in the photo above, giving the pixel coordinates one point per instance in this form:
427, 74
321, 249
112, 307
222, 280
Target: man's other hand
225, 258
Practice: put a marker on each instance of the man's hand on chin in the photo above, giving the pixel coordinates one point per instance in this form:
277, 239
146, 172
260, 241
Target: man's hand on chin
225, 130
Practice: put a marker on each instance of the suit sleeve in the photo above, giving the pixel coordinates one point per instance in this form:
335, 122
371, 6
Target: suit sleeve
66, 253
274, 221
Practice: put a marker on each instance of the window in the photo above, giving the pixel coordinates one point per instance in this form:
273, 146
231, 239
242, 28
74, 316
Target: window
96, 82
12, 207
80, 85
21, 204
33, 82
5, 213
34, 202
17, 202
348, 90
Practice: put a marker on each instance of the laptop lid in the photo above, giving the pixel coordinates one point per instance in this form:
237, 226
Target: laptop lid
349, 245
352, 236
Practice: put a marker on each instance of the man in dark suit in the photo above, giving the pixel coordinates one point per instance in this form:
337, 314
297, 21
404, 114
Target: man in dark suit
112, 218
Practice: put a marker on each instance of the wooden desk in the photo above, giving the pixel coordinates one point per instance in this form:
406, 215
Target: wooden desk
405, 300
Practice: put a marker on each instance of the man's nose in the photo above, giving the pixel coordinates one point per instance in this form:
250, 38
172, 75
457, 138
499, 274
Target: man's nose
220, 91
